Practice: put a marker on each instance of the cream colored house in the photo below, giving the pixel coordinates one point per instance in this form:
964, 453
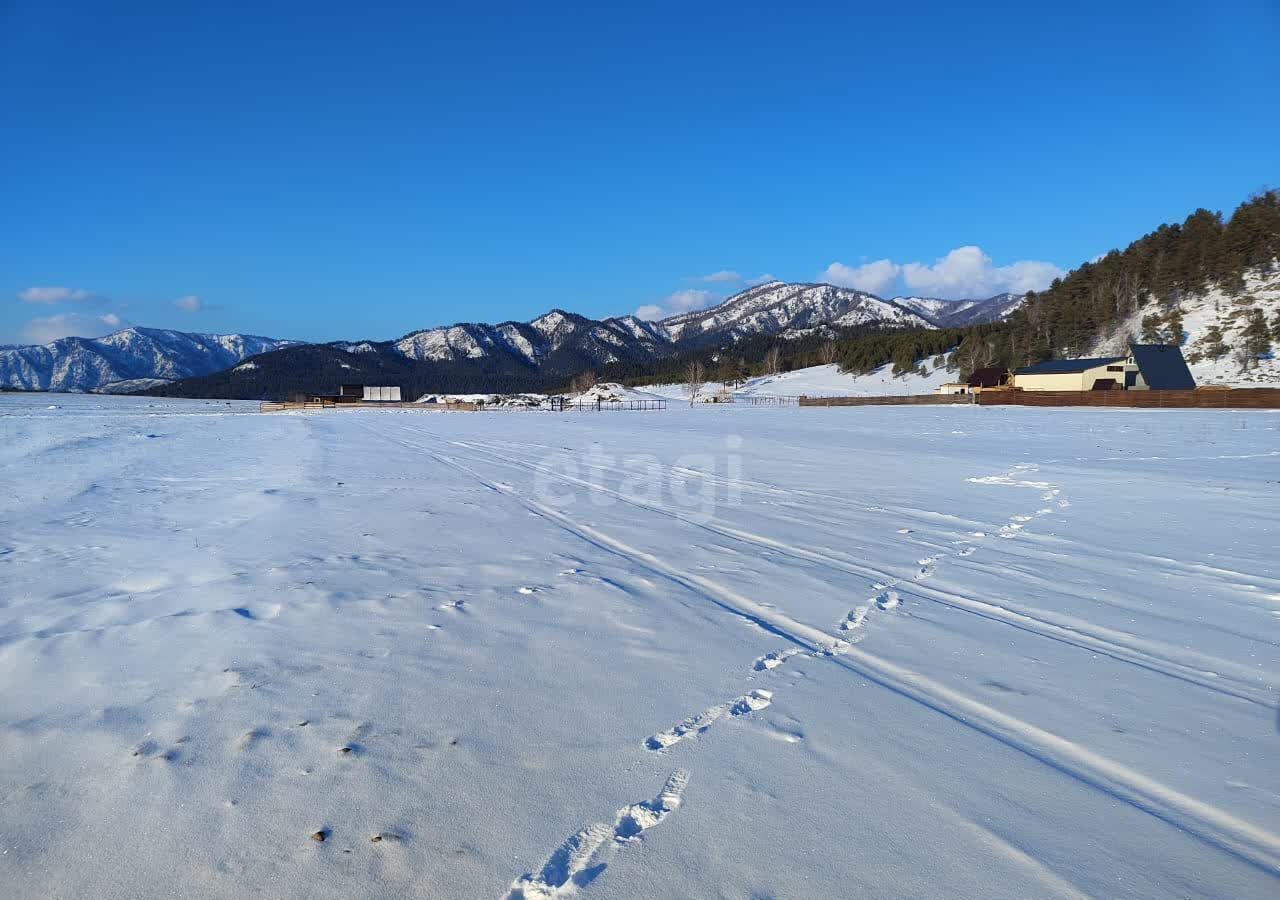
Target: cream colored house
953, 387
1147, 367
1074, 375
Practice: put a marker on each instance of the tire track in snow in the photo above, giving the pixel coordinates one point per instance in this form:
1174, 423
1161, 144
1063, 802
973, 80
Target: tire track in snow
1192, 668
579, 860
1244, 840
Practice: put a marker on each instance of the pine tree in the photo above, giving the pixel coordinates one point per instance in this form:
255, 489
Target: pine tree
1151, 330
1256, 335
1213, 345
1173, 328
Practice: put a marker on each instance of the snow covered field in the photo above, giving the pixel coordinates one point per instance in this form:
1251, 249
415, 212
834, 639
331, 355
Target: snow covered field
704, 652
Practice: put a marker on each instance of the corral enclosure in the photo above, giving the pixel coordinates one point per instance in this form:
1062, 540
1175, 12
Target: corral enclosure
927, 651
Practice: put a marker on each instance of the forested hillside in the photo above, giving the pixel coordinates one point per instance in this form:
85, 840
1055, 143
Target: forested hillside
1151, 276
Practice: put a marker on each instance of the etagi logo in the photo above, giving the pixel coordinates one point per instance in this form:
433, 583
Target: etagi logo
695, 485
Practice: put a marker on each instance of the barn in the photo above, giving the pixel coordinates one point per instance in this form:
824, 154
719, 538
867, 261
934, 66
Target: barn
1147, 367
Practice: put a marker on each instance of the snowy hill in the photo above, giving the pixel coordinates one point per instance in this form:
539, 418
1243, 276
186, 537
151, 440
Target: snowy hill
958, 313
140, 356
776, 307
1213, 362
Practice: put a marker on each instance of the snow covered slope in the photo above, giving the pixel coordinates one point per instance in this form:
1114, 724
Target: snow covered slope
1230, 313
712, 652
139, 355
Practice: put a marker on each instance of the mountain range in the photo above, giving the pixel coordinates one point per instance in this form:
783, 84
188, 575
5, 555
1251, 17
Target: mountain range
127, 360
555, 345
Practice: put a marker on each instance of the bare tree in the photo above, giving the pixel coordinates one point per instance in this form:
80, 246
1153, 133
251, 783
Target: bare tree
772, 360
827, 353
695, 376
583, 381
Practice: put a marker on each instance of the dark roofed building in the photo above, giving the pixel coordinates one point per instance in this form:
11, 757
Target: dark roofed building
1147, 367
1162, 367
1068, 366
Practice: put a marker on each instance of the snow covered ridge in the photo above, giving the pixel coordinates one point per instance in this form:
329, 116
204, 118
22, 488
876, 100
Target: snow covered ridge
773, 308
958, 313
130, 359
777, 306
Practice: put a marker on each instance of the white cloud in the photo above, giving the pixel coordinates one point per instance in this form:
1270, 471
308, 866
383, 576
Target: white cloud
50, 295
964, 273
190, 303
876, 277
968, 272
50, 328
676, 303
721, 277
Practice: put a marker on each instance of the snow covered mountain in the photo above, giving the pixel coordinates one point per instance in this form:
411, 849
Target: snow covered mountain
773, 308
777, 307
555, 344
531, 343
958, 313
128, 359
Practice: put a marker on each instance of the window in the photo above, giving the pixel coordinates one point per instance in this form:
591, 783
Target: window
1115, 368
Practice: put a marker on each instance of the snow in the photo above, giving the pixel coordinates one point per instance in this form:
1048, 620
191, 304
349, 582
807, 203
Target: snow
611, 392
786, 652
823, 381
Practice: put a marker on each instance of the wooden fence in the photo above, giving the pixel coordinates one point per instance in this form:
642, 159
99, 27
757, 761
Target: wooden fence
906, 400
780, 400
605, 405
1243, 398
278, 406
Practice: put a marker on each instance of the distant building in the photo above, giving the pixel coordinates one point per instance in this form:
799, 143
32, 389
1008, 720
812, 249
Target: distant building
361, 393
1147, 367
953, 387
989, 377
381, 394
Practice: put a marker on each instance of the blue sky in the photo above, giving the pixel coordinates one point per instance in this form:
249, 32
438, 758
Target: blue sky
320, 171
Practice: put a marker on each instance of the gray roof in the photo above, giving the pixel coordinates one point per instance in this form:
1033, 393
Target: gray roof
1066, 366
1162, 367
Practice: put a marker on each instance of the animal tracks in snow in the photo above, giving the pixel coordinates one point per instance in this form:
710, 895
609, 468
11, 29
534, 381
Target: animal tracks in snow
580, 859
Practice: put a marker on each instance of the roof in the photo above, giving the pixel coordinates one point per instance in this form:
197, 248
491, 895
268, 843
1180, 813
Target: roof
1067, 366
1162, 367
990, 376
